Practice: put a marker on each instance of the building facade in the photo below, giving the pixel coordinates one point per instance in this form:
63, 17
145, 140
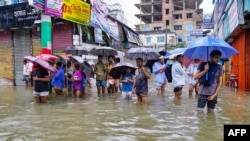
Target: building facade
181, 17
232, 23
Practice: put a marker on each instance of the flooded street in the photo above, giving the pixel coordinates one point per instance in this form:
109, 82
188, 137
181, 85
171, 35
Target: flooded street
109, 118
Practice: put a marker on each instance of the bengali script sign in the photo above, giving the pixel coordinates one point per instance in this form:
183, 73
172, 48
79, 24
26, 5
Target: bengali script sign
54, 8
76, 11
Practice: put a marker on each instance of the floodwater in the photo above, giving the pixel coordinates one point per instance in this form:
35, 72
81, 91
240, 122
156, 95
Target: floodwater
109, 118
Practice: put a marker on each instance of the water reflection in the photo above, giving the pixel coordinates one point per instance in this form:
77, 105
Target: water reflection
109, 118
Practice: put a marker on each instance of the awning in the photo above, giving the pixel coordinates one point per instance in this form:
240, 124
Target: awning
132, 37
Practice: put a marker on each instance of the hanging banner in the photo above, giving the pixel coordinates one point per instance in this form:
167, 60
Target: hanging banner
207, 21
76, 11
100, 6
98, 36
54, 8
108, 26
114, 31
40, 4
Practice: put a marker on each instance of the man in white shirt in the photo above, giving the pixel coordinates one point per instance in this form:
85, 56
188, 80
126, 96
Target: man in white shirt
26, 72
193, 84
160, 76
178, 74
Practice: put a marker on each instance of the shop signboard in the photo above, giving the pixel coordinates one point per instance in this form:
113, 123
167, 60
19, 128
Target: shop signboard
40, 4
54, 8
18, 15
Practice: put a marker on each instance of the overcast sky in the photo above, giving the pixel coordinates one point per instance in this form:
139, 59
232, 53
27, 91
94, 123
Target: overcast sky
130, 9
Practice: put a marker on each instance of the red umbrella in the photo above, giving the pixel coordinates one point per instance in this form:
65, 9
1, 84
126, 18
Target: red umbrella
47, 57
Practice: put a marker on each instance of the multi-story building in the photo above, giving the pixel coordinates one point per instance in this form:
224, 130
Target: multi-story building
115, 11
179, 16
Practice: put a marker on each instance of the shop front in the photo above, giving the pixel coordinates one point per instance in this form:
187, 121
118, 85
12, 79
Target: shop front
16, 24
6, 68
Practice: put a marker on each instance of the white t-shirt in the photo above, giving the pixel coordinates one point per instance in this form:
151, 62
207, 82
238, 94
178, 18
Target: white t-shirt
27, 68
178, 74
192, 69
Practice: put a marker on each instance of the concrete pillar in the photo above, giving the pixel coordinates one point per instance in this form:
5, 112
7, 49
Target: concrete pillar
46, 34
152, 12
184, 5
196, 4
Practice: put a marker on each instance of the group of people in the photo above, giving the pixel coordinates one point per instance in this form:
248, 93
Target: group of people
203, 77
130, 83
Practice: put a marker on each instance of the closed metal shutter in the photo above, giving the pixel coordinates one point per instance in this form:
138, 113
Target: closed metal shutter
36, 43
247, 60
22, 47
6, 68
62, 37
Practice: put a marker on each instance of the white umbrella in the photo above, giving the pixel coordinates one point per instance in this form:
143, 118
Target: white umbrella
104, 51
142, 52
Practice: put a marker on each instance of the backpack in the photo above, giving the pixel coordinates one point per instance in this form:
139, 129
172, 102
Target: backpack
168, 72
210, 76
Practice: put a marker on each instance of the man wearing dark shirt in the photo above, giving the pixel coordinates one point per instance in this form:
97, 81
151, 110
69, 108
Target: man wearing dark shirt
41, 84
208, 91
141, 81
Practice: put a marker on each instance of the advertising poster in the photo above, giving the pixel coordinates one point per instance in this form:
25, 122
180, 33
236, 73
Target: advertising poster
54, 8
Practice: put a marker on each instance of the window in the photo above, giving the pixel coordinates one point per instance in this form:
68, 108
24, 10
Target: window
167, 11
177, 27
177, 16
189, 38
160, 39
189, 15
167, 22
148, 39
157, 28
189, 27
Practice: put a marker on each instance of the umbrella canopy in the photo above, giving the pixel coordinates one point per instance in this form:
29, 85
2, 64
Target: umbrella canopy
76, 50
85, 66
142, 52
201, 48
175, 52
87, 69
104, 51
119, 69
47, 57
30, 58
41, 62
61, 59
77, 59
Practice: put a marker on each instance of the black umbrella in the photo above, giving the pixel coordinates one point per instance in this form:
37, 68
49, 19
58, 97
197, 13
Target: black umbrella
76, 50
119, 69
162, 53
150, 64
86, 67
60, 59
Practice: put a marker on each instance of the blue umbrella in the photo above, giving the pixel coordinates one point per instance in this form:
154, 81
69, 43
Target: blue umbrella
201, 48
175, 52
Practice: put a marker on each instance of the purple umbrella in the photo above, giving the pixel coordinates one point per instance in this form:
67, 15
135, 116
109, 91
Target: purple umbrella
41, 62
45, 65
30, 58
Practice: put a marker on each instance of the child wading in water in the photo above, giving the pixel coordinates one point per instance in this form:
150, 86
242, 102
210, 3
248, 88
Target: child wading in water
127, 79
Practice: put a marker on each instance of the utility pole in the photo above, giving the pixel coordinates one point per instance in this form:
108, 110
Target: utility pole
166, 40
